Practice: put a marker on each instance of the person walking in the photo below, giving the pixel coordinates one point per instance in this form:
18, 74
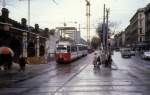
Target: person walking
95, 60
98, 60
22, 63
109, 60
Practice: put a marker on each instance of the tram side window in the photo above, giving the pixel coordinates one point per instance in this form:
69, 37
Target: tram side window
80, 48
85, 48
68, 48
73, 49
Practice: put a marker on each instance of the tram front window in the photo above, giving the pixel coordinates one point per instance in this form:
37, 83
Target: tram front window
61, 49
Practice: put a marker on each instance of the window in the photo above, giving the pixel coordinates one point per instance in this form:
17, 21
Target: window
140, 39
68, 48
140, 30
73, 48
61, 48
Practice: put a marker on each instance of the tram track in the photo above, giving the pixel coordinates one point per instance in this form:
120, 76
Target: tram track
73, 76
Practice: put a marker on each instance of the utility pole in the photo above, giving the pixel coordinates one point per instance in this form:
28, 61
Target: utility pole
88, 19
28, 12
107, 29
103, 28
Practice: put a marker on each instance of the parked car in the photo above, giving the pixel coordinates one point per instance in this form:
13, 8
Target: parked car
146, 55
132, 53
126, 52
90, 50
117, 49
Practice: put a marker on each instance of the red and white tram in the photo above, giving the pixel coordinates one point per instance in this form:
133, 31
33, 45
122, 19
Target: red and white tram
66, 52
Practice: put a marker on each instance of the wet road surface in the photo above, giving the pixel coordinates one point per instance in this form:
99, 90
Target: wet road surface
128, 76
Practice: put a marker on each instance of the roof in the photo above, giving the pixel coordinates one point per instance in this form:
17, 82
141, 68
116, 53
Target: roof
66, 28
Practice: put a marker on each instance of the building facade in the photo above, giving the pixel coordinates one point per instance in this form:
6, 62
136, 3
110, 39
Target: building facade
137, 30
69, 33
147, 21
22, 39
118, 40
128, 40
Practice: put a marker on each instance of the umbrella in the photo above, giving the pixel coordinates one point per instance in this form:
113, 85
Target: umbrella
6, 50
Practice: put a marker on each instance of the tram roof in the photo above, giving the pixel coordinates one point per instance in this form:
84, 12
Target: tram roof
66, 28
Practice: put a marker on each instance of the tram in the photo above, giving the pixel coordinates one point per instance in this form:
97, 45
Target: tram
66, 52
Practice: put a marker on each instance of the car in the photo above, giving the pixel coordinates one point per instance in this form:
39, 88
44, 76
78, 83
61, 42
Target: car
90, 50
117, 49
132, 53
126, 52
146, 55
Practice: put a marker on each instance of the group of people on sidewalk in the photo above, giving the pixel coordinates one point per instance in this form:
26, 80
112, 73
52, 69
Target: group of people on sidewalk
6, 59
101, 59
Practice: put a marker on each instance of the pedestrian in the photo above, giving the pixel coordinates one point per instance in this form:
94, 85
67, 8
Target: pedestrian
22, 62
98, 60
109, 60
106, 60
95, 60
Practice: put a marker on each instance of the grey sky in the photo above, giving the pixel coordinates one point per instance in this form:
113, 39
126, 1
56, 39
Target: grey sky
48, 14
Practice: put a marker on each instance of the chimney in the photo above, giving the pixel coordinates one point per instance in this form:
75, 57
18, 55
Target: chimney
23, 22
36, 27
5, 12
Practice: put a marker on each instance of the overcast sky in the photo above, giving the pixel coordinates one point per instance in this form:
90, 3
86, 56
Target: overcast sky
49, 14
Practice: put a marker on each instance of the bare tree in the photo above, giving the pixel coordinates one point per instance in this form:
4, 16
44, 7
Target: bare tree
114, 26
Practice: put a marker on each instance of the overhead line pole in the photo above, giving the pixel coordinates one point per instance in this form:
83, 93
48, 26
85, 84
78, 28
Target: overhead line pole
88, 20
107, 29
29, 12
103, 27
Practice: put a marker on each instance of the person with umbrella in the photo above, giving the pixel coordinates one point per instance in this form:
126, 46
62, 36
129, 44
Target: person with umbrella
6, 57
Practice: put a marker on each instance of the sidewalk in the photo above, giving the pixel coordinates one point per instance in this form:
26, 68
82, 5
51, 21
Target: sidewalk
14, 75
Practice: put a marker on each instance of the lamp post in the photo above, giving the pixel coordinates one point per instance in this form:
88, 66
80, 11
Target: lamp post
88, 5
29, 12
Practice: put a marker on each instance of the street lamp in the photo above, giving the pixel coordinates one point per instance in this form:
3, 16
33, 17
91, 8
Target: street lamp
29, 12
88, 20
